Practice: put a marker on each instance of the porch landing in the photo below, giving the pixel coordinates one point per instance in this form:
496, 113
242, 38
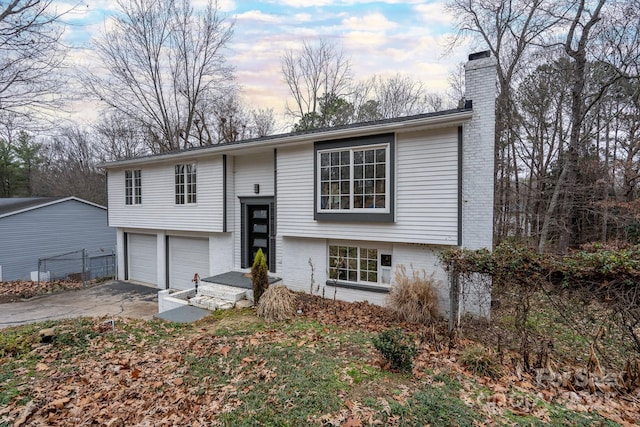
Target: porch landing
237, 279
220, 292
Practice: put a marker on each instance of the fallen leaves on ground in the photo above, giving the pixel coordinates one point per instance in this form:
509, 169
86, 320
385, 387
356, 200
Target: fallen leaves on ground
24, 289
145, 382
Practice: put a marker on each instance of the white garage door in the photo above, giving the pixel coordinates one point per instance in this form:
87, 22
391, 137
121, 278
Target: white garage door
143, 261
187, 256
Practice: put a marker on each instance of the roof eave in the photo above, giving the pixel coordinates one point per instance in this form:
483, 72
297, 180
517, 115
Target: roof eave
52, 202
409, 125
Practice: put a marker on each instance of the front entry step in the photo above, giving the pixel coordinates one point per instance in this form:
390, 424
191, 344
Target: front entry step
222, 292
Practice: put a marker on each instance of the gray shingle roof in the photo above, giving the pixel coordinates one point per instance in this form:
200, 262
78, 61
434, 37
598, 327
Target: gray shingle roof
11, 205
14, 204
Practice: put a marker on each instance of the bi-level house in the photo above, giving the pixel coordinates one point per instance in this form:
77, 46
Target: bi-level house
347, 204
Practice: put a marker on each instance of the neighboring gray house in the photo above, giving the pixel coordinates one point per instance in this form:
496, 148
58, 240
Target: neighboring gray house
343, 206
39, 227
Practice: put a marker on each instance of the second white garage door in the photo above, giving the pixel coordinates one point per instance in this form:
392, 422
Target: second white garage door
142, 259
187, 256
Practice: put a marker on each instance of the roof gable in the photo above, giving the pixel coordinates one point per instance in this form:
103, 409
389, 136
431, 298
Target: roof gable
16, 205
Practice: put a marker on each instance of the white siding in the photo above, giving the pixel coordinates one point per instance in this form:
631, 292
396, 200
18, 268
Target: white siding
158, 209
426, 194
421, 258
187, 256
221, 253
253, 169
296, 270
247, 171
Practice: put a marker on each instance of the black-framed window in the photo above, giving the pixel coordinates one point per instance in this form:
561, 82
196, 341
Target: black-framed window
185, 184
133, 187
354, 179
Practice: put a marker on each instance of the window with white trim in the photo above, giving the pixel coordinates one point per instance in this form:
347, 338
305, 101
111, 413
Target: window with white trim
185, 184
133, 187
354, 179
359, 264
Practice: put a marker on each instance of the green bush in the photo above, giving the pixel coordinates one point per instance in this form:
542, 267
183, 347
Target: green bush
259, 276
397, 349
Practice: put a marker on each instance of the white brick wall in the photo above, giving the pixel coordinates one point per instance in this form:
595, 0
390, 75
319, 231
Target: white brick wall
478, 155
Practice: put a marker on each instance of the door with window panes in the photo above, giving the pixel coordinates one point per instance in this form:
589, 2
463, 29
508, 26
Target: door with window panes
258, 231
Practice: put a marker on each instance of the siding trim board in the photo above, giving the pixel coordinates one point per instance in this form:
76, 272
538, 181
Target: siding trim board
126, 255
460, 166
224, 193
357, 286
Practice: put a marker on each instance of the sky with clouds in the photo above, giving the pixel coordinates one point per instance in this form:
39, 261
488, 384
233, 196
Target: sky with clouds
380, 37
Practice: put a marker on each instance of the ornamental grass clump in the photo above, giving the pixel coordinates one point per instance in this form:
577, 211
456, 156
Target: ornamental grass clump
259, 276
413, 298
277, 303
481, 361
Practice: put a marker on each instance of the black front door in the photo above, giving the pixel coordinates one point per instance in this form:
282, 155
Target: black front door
257, 232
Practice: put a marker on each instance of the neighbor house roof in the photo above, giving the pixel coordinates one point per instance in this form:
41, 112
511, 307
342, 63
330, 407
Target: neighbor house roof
15, 205
406, 123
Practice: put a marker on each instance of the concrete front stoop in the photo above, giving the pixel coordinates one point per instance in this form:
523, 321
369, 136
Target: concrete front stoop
212, 296
234, 291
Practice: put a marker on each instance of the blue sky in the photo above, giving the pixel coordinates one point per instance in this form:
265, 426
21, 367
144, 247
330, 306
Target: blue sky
381, 37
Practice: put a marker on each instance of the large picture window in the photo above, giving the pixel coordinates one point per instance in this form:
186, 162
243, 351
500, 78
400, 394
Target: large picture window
133, 187
354, 179
185, 184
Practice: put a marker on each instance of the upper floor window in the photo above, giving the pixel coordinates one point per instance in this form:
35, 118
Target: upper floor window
354, 179
133, 187
185, 184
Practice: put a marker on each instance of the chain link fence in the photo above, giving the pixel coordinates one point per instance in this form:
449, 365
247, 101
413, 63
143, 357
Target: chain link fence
77, 266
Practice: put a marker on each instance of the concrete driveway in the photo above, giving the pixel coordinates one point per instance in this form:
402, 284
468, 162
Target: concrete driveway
109, 299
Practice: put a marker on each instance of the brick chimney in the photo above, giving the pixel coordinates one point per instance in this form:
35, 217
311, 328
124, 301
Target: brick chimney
478, 142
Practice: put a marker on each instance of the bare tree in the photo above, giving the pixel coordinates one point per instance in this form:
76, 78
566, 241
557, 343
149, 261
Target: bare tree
315, 71
398, 95
118, 137
589, 41
30, 53
164, 59
262, 123
71, 167
512, 30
